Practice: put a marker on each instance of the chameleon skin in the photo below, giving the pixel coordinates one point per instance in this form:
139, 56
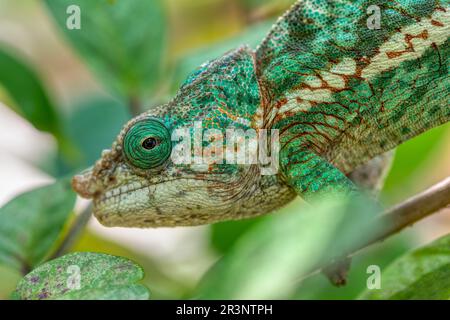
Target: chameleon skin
339, 93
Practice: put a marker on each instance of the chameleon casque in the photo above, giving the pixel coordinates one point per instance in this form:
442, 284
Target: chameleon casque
339, 92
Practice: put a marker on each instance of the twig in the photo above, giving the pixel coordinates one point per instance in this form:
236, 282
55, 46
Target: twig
72, 235
399, 217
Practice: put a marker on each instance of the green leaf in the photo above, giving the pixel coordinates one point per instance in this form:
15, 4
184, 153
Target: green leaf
224, 235
125, 292
84, 275
92, 123
31, 222
421, 274
28, 93
413, 161
123, 41
162, 283
318, 287
269, 260
252, 36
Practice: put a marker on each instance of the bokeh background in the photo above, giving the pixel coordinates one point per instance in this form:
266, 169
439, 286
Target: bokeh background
92, 108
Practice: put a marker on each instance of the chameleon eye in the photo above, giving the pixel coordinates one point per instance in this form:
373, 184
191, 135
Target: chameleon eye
147, 144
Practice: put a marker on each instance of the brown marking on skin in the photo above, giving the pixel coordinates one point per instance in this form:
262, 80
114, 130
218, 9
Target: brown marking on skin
437, 23
410, 47
281, 103
364, 60
334, 61
324, 85
395, 54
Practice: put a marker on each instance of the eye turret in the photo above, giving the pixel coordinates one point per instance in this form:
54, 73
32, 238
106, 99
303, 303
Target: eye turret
147, 144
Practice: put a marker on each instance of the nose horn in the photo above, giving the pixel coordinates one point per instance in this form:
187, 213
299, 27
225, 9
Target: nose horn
81, 183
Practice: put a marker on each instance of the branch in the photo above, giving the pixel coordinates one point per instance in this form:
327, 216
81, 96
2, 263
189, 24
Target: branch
72, 235
392, 221
407, 213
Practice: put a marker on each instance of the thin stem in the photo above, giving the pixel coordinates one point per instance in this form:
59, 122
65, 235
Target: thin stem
72, 235
410, 211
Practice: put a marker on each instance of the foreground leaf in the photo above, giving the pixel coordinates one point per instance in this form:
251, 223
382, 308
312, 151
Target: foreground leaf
421, 274
84, 275
270, 259
31, 222
125, 292
122, 41
158, 278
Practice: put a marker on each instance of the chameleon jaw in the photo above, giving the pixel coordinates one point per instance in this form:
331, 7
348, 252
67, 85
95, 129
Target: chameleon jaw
165, 204
174, 201
144, 202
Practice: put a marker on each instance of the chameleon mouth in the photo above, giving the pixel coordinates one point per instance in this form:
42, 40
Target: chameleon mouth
169, 203
118, 192
115, 206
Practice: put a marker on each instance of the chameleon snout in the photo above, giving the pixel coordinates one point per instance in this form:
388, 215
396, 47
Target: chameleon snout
82, 184
88, 184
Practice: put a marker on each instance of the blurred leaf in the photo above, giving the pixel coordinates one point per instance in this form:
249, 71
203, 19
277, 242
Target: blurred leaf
84, 275
255, 4
28, 93
31, 222
413, 159
421, 274
224, 235
318, 287
258, 10
8, 281
271, 257
252, 36
92, 125
123, 41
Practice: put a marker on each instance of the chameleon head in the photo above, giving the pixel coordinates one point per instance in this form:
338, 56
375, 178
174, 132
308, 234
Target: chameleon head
138, 184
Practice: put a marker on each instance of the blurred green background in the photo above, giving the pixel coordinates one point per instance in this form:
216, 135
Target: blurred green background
94, 78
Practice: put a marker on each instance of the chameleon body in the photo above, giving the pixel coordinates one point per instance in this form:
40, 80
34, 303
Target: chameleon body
338, 92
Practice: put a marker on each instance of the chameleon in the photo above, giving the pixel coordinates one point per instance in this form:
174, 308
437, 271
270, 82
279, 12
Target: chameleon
339, 92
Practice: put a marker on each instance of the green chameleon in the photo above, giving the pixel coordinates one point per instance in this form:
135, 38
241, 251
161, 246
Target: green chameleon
339, 92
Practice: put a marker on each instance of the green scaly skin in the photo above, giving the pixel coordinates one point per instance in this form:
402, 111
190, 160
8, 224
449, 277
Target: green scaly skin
339, 93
